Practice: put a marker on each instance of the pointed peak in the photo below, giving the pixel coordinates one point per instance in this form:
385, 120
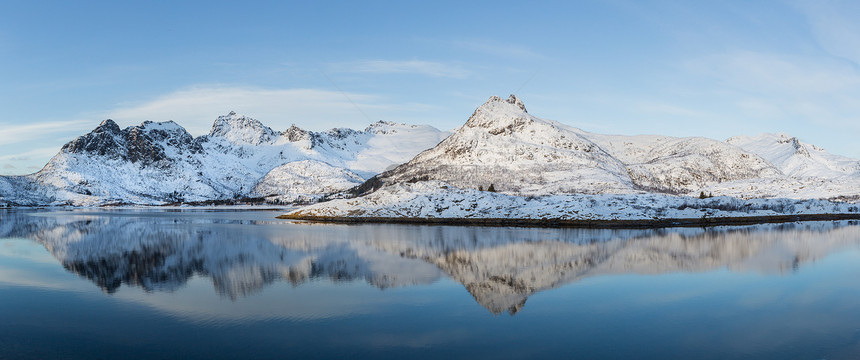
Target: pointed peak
295, 133
513, 100
241, 129
499, 115
107, 125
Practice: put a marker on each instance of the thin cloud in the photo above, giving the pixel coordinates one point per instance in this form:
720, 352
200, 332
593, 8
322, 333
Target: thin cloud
26, 162
834, 27
35, 154
428, 68
779, 73
16, 134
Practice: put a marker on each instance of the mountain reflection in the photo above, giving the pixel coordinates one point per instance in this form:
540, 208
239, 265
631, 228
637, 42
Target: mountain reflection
500, 267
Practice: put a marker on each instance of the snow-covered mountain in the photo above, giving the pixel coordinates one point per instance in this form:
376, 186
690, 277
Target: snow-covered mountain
154, 163
797, 159
502, 144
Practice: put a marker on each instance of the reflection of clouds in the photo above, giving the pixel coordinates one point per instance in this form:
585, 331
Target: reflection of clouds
500, 267
24, 263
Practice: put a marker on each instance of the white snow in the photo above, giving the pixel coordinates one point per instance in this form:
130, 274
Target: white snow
503, 145
307, 180
436, 199
797, 159
500, 144
234, 160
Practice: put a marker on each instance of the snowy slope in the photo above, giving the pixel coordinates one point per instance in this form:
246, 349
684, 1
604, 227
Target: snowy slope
682, 165
154, 163
502, 144
797, 159
544, 169
308, 180
435, 199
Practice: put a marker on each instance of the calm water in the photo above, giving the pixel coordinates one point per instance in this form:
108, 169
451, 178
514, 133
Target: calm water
198, 284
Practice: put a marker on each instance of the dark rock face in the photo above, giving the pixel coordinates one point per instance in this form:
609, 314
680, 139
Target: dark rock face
144, 144
295, 133
101, 141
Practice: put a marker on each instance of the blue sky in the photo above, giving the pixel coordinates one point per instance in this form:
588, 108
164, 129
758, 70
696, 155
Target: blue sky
683, 68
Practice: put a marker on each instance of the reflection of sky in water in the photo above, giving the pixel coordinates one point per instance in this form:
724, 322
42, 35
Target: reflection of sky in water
221, 280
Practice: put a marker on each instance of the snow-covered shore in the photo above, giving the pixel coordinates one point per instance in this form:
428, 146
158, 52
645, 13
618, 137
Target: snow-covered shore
434, 200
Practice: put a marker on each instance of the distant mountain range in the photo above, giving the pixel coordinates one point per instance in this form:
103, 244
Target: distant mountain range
157, 163
501, 144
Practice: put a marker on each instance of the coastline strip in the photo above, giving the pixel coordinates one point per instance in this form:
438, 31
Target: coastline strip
581, 223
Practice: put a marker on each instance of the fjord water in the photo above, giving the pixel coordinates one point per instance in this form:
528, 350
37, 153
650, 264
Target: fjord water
241, 284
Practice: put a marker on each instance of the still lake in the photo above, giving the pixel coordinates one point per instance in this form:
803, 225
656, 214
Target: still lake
242, 284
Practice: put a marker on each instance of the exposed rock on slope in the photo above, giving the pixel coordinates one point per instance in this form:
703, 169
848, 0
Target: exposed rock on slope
502, 144
154, 163
797, 159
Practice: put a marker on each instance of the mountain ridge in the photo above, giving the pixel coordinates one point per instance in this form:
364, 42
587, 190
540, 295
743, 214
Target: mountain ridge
500, 144
160, 162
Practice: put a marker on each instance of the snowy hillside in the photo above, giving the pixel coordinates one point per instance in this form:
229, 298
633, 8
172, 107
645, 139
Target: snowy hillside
520, 154
435, 199
547, 170
502, 144
797, 159
155, 163
307, 180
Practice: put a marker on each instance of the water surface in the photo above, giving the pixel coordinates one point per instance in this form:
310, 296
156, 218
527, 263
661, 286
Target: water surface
204, 284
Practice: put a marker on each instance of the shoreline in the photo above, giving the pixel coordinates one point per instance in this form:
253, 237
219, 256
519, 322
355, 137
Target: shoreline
586, 224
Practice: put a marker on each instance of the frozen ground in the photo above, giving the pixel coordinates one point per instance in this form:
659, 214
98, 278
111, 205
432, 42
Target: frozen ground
436, 199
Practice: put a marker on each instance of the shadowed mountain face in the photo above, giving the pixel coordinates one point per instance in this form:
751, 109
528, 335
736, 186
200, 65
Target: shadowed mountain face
500, 267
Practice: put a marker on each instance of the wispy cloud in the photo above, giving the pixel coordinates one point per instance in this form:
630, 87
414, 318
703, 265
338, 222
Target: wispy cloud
40, 153
15, 134
428, 68
755, 71
28, 161
815, 94
835, 27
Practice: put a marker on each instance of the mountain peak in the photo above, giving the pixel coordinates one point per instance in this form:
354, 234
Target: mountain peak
513, 100
107, 125
241, 129
498, 114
